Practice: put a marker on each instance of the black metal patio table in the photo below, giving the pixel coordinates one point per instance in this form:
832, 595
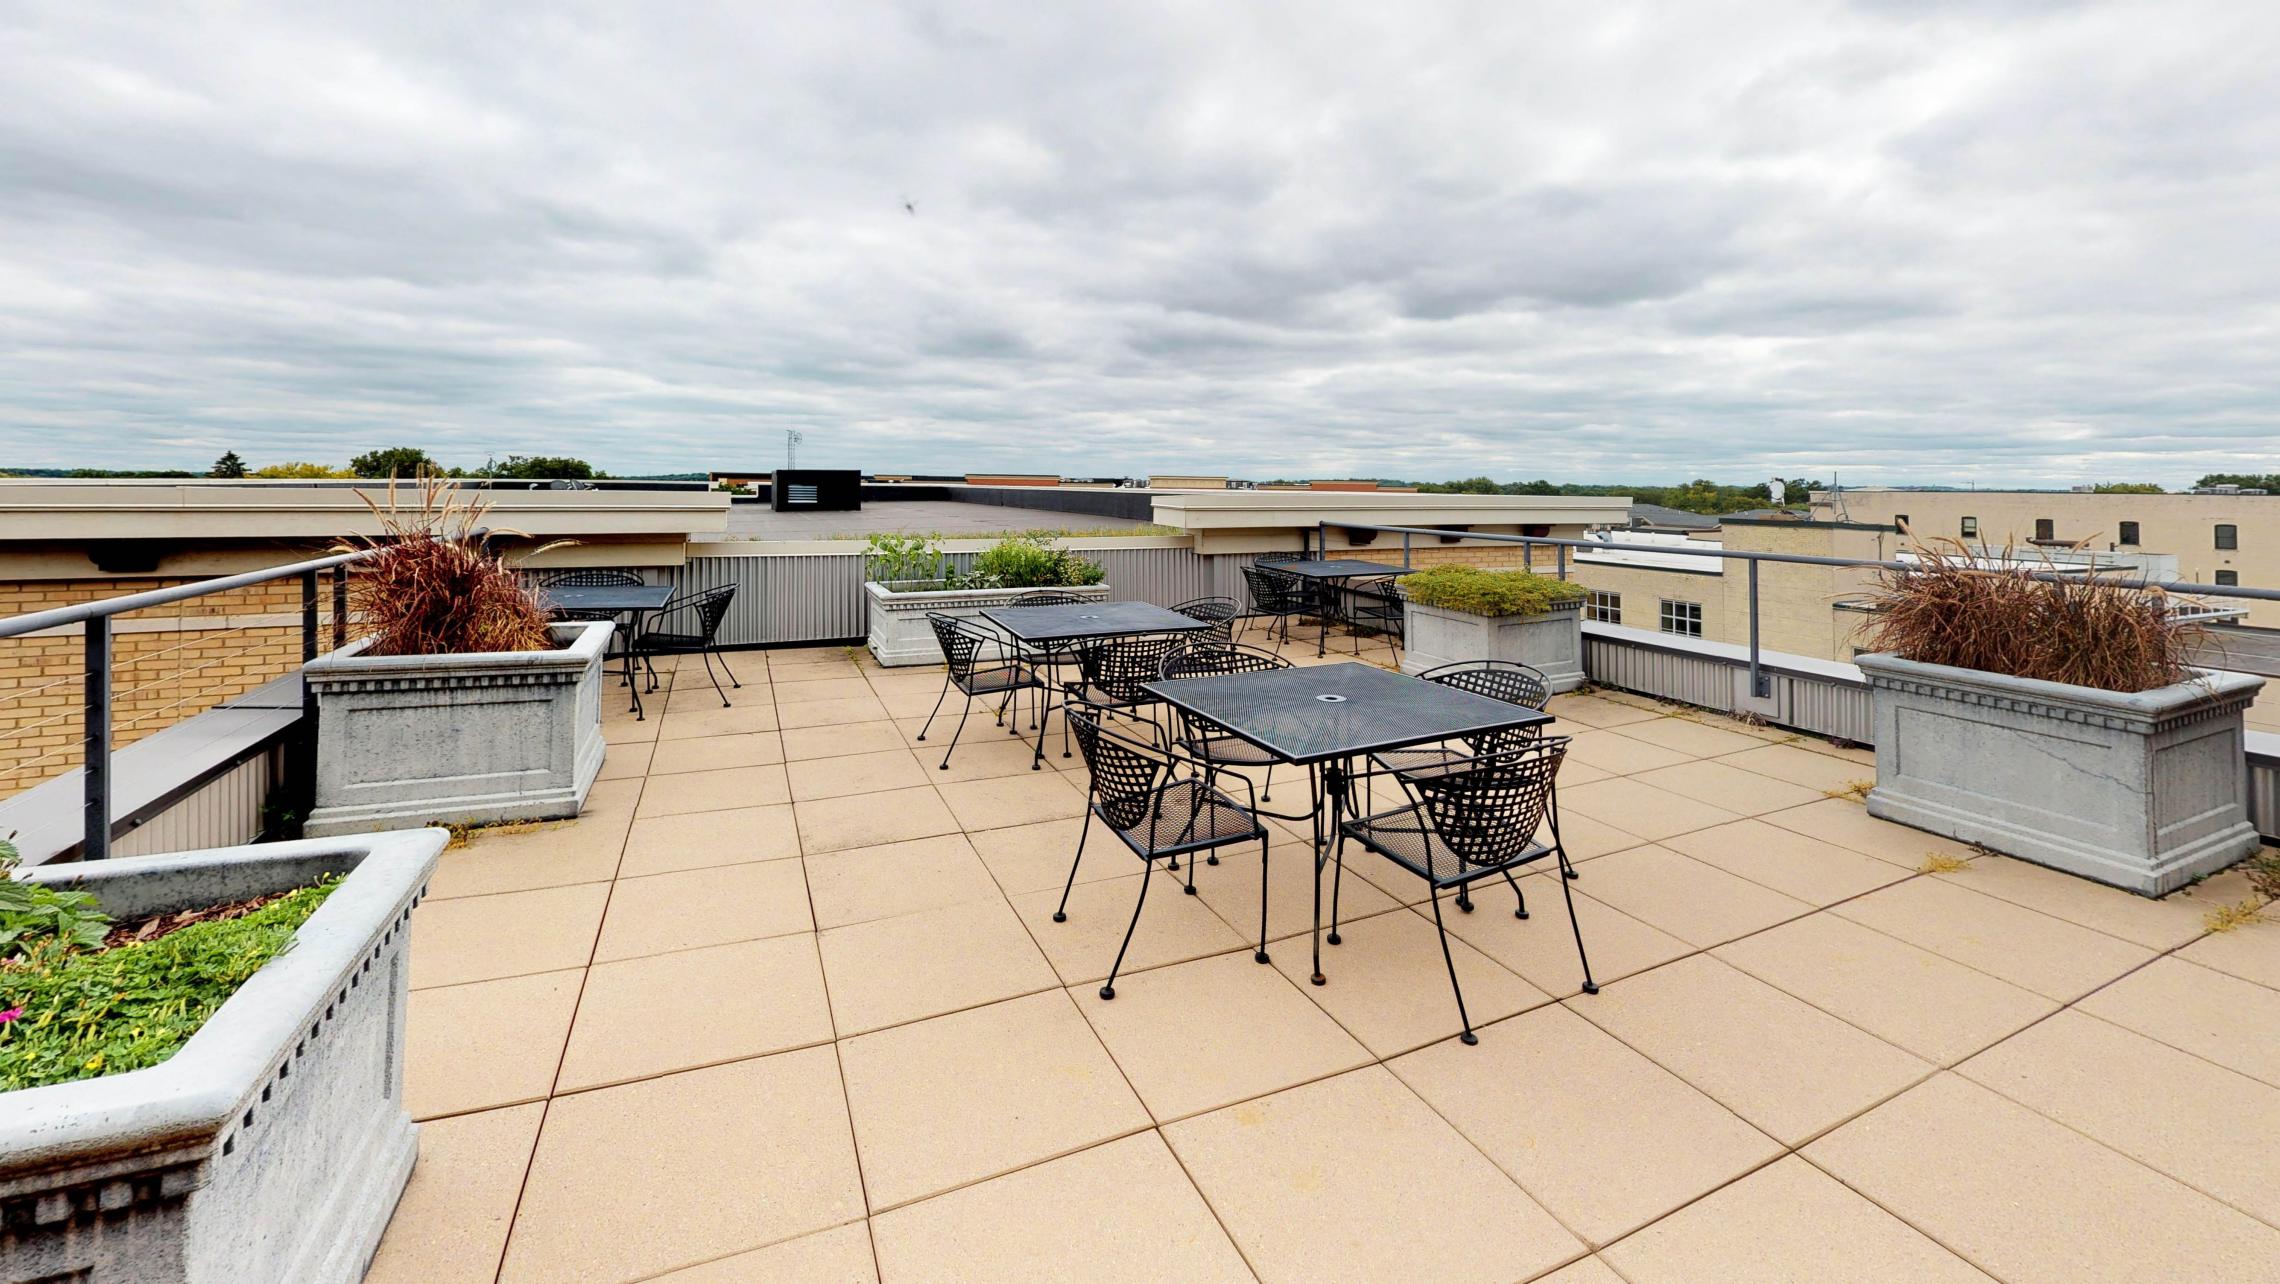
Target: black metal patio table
1323, 716
1334, 572
1049, 628
634, 600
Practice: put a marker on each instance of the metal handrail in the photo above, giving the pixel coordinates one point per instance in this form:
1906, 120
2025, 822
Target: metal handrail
95, 768
1761, 685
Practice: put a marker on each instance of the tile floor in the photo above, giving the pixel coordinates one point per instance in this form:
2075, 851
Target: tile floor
788, 1003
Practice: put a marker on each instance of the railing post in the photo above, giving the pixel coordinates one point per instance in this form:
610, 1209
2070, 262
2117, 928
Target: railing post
308, 639
95, 770
1527, 555
1563, 561
1760, 688
1405, 550
340, 607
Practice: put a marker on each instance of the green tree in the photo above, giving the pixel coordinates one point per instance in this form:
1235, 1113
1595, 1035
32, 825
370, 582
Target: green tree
2126, 488
394, 461
540, 468
229, 465
2253, 481
301, 471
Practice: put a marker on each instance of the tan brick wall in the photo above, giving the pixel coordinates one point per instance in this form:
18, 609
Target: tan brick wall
168, 664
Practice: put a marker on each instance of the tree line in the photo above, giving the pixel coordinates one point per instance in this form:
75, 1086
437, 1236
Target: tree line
409, 462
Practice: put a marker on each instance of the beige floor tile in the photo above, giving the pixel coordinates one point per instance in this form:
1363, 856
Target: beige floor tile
1601, 1136
2227, 1020
1815, 872
480, 938
1936, 1008
704, 839
715, 753
2167, 1109
1848, 824
487, 1043
1173, 926
1820, 772
1695, 739
1316, 1183
451, 1224
1619, 755
1199, 1035
2162, 925
1389, 987
650, 1016
698, 907
864, 883
2027, 1199
872, 820
831, 713
1031, 858
889, 971
1231, 889
752, 715
2050, 956
863, 773
649, 1176
522, 858
841, 1255
1123, 1210
1583, 1270
791, 689
2250, 951
1786, 1223
1730, 787
1541, 949
1586, 837
1644, 810
1698, 903
723, 790
1012, 800
1593, 711
957, 1099
1785, 1066
801, 743
625, 731
626, 761
981, 760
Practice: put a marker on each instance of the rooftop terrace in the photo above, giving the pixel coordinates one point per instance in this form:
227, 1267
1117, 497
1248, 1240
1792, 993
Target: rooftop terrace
787, 1002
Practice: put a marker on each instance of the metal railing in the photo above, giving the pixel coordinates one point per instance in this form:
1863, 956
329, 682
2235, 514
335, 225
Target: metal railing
96, 617
1760, 683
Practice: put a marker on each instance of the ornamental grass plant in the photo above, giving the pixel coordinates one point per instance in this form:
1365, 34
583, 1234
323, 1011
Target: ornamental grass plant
433, 587
1455, 587
1958, 608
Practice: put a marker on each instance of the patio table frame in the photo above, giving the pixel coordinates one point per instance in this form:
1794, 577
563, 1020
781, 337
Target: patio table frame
635, 600
1051, 628
1336, 573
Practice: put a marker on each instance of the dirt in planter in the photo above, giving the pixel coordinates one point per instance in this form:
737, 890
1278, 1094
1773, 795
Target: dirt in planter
150, 927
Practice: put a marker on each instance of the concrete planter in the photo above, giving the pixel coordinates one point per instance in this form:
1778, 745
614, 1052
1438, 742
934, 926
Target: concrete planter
2145, 791
457, 739
1551, 642
900, 635
274, 1144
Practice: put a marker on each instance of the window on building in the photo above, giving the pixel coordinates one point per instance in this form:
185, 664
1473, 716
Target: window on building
2045, 528
2228, 535
1971, 528
2129, 534
2230, 579
1603, 608
1682, 618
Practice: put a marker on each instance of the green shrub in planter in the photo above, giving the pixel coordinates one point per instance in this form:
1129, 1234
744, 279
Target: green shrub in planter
1480, 592
1029, 562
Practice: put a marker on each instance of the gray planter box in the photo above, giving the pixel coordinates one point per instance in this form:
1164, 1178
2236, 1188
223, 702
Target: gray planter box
457, 739
900, 635
274, 1144
1551, 642
2146, 791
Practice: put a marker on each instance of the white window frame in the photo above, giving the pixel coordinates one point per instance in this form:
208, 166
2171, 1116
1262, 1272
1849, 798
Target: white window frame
1673, 609
1603, 607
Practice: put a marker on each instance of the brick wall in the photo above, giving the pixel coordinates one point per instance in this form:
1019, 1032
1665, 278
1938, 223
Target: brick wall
168, 664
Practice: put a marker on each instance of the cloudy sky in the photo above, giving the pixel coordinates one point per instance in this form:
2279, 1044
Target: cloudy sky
2000, 242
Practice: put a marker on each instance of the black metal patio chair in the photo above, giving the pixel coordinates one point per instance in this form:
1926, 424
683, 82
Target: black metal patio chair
1281, 596
1139, 791
1505, 680
1376, 605
588, 577
1202, 737
706, 608
977, 663
1050, 661
1115, 669
1466, 822
1218, 612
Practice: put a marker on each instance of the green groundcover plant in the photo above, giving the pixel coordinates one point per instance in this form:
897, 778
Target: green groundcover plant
916, 563
1481, 592
68, 1011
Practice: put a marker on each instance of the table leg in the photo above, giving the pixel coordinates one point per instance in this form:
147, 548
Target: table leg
632, 678
1333, 792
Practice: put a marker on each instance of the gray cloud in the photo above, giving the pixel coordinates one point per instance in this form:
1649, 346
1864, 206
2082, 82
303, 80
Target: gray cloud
2002, 243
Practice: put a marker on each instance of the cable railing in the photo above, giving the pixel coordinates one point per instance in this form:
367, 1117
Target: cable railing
98, 709
1761, 683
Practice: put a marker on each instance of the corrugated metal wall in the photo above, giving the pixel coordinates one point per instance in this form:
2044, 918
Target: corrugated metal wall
224, 812
1823, 706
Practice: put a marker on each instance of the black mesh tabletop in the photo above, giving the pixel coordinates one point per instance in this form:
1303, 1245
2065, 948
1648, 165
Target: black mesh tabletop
1088, 620
1314, 713
1338, 568
606, 597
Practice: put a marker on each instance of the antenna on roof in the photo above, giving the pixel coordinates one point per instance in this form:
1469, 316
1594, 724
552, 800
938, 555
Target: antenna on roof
792, 439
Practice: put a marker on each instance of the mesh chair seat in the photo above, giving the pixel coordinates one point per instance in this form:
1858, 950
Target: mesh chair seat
1397, 836
1183, 816
1233, 750
995, 681
673, 641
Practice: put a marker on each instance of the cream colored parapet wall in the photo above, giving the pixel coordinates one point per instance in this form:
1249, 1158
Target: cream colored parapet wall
49, 511
1250, 520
